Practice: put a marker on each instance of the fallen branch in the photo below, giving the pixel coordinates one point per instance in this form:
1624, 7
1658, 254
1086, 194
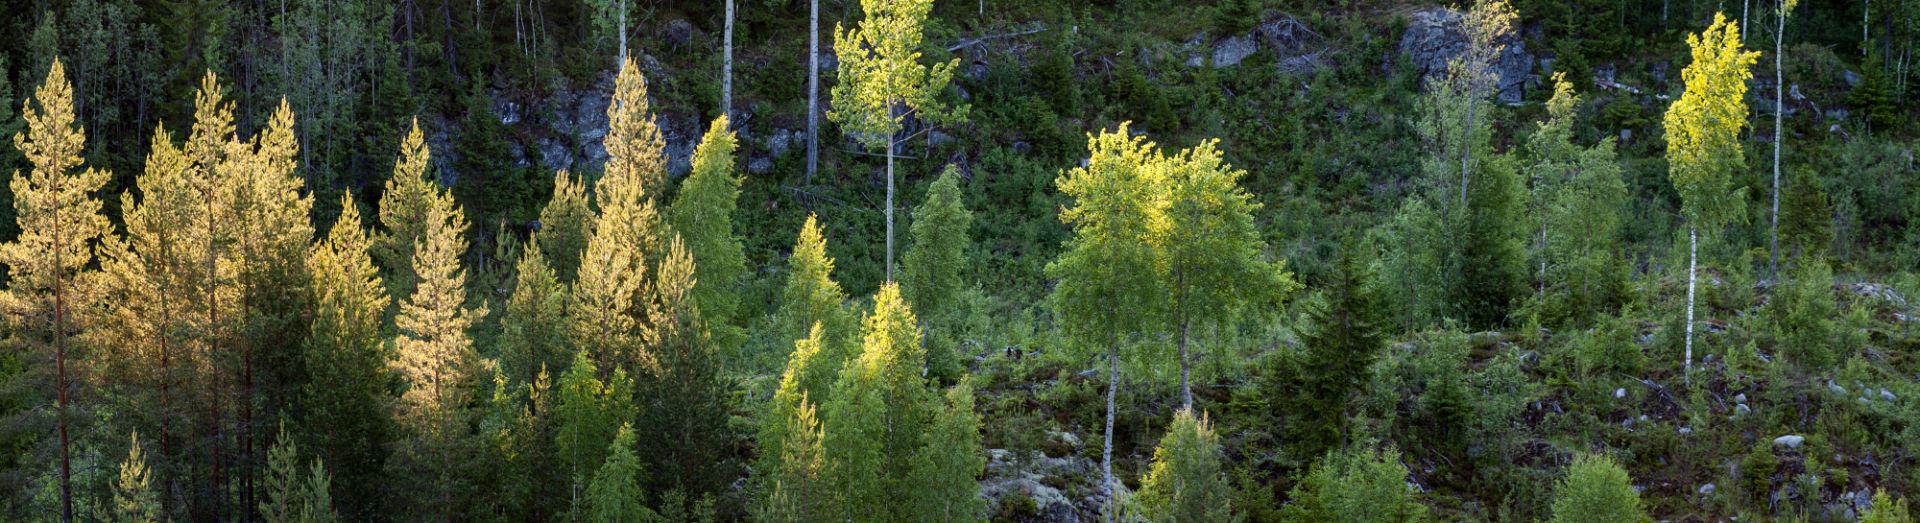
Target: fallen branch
977, 41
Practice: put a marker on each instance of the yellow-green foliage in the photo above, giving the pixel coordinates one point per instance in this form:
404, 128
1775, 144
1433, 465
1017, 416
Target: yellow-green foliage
1595, 490
1703, 126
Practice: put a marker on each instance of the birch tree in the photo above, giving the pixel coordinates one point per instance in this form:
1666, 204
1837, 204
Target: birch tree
1106, 293
1703, 141
883, 83
1779, 130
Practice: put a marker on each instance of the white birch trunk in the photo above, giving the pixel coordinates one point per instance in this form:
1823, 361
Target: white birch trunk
1779, 135
813, 89
726, 67
1106, 451
1693, 255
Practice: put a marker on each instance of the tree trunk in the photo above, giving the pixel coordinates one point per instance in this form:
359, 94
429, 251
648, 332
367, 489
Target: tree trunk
623, 35
1743, 21
1106, 451
813, 89
726, 67
1186, 368
1779, 135
1466, 150
1693, 256
60, 388
890, 145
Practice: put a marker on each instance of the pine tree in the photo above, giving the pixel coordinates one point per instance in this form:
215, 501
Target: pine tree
1361, 486
615, 495
436, 358
59, 219
1596, 490
878, 415
932, 271
1887, 509
787, 477
134, 497
943, 479
404, 203
143, 280
1343, 334
533, 335
810, 297
686, 398
609, 309
1211, 251
882, 82
587, 414
1106, 292
493, 188
345, 420
271, 232
1185, 484
702, 213
565, 224
295, 494
1703, 140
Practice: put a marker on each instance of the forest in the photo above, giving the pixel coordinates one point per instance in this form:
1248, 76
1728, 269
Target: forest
1355, 261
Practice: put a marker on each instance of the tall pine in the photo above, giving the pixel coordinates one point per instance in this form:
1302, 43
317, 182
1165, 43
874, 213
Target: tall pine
703, 213
345, 420
59, 219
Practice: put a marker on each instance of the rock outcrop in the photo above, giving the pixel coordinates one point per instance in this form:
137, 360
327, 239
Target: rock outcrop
1434, 38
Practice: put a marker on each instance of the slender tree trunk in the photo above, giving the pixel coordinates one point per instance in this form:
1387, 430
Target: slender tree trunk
1186, 368
1466, 150
1743, 21
1106, 451
813, 89
1866, 14
1779, 135
623, 34
60, 385
890, 145
726, 66
1693, 256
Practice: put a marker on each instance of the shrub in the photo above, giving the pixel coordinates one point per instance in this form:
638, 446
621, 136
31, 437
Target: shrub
1596, 490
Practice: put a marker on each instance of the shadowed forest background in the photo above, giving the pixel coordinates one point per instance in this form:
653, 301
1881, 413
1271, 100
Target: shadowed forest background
990, 260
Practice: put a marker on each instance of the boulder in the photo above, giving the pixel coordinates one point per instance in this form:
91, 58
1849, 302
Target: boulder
1433, 39
1789, 441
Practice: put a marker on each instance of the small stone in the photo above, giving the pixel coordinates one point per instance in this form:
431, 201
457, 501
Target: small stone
1886, 395
1707, 489
1789, 441
1619, 393
1835, 387
1740, 398
1684, 431
1741, 409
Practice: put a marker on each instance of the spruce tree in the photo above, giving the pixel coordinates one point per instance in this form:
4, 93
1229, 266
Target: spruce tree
1492, 253
565, 224
1703, 141
882, 83
436, 358
1185, 483
1342, 335
345, 420
1598, 491
59, 219
703, 213
295, 494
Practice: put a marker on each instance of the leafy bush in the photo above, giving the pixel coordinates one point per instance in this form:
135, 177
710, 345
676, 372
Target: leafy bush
1596, 490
